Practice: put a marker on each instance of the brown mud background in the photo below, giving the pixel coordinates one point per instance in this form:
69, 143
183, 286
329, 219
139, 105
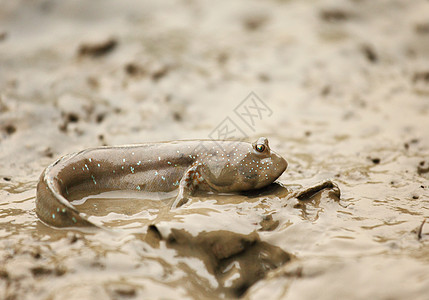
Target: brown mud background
346, 89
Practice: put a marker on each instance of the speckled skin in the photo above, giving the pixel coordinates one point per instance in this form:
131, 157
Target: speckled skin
223, 166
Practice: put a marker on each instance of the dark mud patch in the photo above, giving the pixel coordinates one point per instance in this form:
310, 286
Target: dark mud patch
134, 69
43, 271
160, 72
255, 21
335, 15
422, 76
422, 28
369, 53
154, 71
423, 167
237, 261
268, 223
120, 290
374, 160
9, 129
97, 49
420, 81
3, 36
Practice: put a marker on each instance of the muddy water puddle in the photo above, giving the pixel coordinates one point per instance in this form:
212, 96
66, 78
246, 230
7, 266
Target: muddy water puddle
218, 245
211, 247
216, 242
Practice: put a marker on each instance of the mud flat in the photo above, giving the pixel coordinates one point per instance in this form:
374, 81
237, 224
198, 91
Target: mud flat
341, 90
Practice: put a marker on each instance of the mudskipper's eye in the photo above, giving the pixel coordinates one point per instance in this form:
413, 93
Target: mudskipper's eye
260, 147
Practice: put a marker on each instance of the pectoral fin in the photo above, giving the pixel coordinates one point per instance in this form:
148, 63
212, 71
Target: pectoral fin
188, 184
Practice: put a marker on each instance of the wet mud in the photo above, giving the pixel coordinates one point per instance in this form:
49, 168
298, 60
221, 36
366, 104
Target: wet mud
340, 89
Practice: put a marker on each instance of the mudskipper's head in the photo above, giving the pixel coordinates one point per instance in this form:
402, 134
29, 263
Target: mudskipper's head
245, 167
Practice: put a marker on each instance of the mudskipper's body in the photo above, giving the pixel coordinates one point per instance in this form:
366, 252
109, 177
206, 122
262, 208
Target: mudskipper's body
223, 166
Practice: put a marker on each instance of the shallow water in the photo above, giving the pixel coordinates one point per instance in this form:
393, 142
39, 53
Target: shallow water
344, 95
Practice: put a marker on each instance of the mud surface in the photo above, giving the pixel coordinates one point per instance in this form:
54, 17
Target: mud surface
342, 91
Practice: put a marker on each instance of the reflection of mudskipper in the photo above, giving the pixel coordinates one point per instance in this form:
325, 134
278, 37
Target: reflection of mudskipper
236, 260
